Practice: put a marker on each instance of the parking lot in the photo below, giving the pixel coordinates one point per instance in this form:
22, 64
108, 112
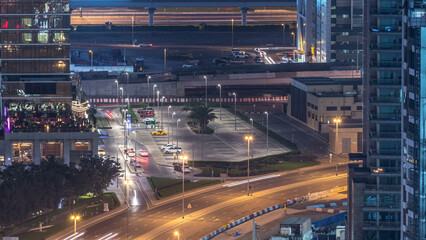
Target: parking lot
226, 144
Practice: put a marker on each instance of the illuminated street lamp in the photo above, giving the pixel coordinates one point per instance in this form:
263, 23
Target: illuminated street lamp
205, 78
336, 141
75, 218
173, 132
220, 101
283, 33
91, 60
153, 94
122, 90
294, 36
267, 130
168, 125
162, 105
248, 139
149, 78
177, 234
116, 81
235, 109
184, 159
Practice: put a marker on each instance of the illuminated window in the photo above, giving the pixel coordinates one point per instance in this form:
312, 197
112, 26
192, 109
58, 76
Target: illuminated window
22, 152
43, 37
27, 37
27, 22
60, 37
1, 160
52, 149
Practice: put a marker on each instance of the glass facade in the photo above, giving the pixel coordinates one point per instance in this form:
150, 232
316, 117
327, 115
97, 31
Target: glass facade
34, 46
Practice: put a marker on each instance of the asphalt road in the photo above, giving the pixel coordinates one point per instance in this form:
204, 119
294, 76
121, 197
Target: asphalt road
210, 210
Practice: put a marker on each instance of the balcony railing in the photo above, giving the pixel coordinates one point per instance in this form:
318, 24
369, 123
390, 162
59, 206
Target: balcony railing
395, 99
385, 46
389, 188
386, 29
381, 224
395, 135
385, 63
386, 152
391, 11
389, 117
387, 82
382, 205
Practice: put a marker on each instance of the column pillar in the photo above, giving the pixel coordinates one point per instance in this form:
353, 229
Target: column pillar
151, 16
8, 152
67, 152
37, 152
244, 15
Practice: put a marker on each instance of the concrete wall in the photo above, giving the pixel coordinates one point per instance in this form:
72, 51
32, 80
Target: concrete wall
37, 138
336, 145
108, 88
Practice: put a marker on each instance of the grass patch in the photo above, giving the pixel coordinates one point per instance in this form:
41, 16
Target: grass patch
258, 166
102, 122
165, 187
59, 217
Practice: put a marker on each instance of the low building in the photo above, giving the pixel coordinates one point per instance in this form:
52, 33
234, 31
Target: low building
318, 101
294, 228
346, 136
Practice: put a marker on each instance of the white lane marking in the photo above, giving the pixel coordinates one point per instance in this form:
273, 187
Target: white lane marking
105, 236
111, 236
75, 236
251, 180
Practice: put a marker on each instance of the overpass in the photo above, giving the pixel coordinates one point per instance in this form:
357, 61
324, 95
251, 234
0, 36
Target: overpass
152, 5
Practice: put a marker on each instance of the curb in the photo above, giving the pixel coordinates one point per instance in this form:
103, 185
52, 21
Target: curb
88, 223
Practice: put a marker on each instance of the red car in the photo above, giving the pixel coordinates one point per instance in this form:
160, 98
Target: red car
144, 153
147, 114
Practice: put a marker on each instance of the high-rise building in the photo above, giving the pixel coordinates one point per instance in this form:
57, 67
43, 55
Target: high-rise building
38, 114
374, 188
330, 31
413, 198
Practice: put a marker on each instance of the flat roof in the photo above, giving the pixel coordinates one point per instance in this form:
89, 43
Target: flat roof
296, 220
328, 81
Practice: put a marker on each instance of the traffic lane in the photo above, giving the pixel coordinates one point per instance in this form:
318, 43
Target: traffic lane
214, 220
162, 214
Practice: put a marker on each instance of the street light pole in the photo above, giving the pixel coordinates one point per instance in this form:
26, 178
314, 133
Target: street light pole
75, 218
91, 60
235, 109
149, 78
127, 86
251, 129
173, 132
336, 141
283, 34
232, 39
248, 138
122, 90
133, 35
162, 106
184, 158
205, 78
153, 95
158, 101
220, 101
294, 36
116, 81
168, 124
135, 142
267, 130
177, 234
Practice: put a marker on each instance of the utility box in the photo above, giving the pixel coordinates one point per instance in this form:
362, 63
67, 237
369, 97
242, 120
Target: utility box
295, 228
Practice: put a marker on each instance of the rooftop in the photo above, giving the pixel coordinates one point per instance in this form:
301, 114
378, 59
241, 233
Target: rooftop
328, 81
295, 220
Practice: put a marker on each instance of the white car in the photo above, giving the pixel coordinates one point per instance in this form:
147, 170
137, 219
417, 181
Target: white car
168, 145
172, 150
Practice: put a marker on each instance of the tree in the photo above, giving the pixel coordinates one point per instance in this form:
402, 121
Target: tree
202, 115
96, 173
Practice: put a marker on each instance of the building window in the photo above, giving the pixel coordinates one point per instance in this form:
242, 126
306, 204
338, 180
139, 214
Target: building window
27, 37
358, 107
22, 152
2, 162
27, 22
60, 37
52, 149
345, 108
345, 33
43, 37
332, 108
345, 15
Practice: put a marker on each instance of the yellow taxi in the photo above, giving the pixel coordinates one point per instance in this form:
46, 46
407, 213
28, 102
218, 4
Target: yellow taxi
159, 132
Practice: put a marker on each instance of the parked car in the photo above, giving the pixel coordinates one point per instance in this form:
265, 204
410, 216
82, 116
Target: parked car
147, 109
178, 167
144, 153
131, 152
168, 145
147, 114
101, 152
159, 132
145, 45
172, 150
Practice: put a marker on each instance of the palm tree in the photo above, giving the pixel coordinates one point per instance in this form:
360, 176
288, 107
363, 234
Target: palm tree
203, 115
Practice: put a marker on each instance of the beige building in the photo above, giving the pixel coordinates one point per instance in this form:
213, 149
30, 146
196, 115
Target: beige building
346, 137
318, 101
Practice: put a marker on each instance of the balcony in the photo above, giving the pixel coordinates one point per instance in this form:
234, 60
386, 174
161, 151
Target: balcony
388, 83
373, 188
396, 100
385, 29
385, 11
390, 152
386, 64
391, 118
377, 206
381, 225
385, 171
386, 46
385, 135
